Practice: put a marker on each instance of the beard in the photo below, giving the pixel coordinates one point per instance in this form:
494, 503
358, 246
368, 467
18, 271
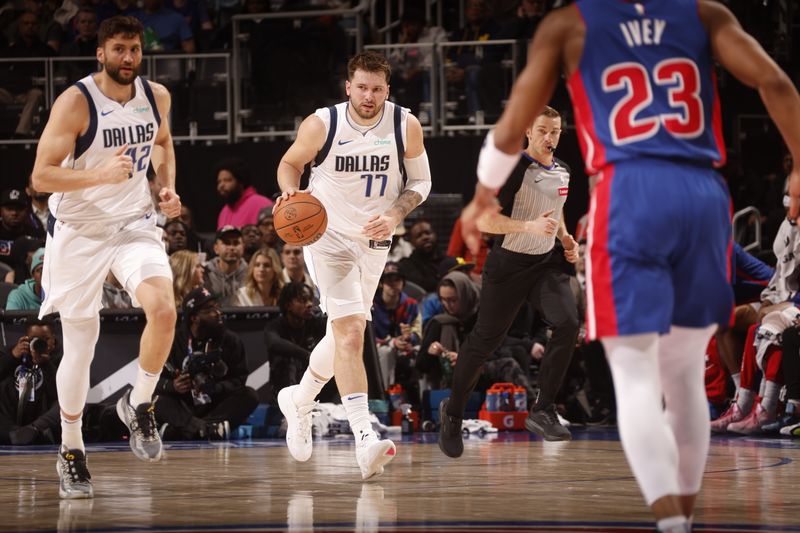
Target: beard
114, 74
233, 197
210, 330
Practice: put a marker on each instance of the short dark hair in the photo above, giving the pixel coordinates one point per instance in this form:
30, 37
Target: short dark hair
369, 61
235, 166
43, 322
290, 291
129, 27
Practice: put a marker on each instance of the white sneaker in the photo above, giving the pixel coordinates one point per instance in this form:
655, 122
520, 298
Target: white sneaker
372, 453
298, 424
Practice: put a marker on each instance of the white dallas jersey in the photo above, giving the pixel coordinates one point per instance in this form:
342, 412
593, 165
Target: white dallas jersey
111, 125
359, 172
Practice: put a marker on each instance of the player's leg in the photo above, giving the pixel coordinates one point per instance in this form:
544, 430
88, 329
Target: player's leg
73, 287
141, 265
506, 280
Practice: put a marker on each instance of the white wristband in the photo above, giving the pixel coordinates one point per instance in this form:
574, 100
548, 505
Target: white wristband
495, 166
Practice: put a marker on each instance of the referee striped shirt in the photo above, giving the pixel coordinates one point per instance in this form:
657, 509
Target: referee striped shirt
532, 190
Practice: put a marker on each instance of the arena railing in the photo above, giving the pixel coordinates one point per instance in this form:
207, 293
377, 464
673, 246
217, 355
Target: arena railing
352, 19
190, 77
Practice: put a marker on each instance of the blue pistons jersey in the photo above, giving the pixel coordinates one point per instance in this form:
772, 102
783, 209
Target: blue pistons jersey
645, 85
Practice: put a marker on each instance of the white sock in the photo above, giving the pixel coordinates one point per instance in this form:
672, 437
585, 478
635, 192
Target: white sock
770, 400
144, 387
71, 435
673, 524
745, 400
737, 379
308, 389
357, 407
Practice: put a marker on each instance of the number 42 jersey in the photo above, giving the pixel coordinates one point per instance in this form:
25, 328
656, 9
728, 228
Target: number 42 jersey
645, 85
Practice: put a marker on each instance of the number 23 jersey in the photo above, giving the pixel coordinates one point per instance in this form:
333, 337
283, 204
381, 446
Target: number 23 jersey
359, 172
645, 85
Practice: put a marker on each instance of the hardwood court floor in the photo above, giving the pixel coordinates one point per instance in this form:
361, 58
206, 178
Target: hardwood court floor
507, 483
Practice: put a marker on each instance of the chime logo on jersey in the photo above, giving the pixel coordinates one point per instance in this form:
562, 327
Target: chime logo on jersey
133, 134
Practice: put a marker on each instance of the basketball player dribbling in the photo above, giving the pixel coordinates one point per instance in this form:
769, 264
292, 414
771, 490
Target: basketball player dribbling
641, 79
102, 134
369, 170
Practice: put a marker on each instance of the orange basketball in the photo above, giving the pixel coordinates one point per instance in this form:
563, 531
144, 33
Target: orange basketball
301, 219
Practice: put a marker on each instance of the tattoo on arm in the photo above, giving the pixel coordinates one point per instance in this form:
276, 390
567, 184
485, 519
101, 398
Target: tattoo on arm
406, 202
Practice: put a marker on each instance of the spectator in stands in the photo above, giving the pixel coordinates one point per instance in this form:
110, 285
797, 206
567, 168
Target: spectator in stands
444, 334
28, 296
242, 202
397, 324
478, 68
177, 236
114, 294
195, 241
195, 14
525, 20
266, 224
39, 207
17, 79
48, 30
187, 273
291, 336
85, 43
422, 265
165, 30
412, 66
22, 250
113, 8
225, 273
294, 266
30, 376
251, 237
263, 281
14, 222
431, 305
401, 248
202, 390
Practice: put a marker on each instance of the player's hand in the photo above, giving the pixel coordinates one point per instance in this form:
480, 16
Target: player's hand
291, 191
22, 347
544, 226
483, 203
118, 168
380, 227
570, 248
170, 203
794, 193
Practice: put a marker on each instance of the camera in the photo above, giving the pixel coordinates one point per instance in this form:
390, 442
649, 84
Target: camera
209, 364
38, 345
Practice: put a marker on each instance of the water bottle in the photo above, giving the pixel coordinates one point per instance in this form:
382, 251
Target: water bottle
520, 399
406, 424
492, 400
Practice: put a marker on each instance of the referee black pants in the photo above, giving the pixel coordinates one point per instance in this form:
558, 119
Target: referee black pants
510, 278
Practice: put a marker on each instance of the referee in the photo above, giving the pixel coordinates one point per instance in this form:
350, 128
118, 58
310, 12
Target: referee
523, 265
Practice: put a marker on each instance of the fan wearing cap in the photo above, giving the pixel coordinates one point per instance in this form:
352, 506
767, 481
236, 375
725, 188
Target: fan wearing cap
28, 296
524, 264
226, 272
15, 221
397, 324
202, 391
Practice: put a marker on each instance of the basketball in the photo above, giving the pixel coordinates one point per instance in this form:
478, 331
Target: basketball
301, 219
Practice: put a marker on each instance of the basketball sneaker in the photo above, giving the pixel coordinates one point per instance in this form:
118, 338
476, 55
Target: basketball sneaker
731, 415
372, 454
791, 431
73, 474
451, 441
545, 423
145, 440
753, 423
299, 421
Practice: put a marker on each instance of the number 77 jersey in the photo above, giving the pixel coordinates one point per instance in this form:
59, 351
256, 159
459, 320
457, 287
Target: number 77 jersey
645, 85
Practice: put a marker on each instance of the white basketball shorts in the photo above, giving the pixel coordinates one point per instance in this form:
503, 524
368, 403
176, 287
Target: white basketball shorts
346, 271
78, 258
